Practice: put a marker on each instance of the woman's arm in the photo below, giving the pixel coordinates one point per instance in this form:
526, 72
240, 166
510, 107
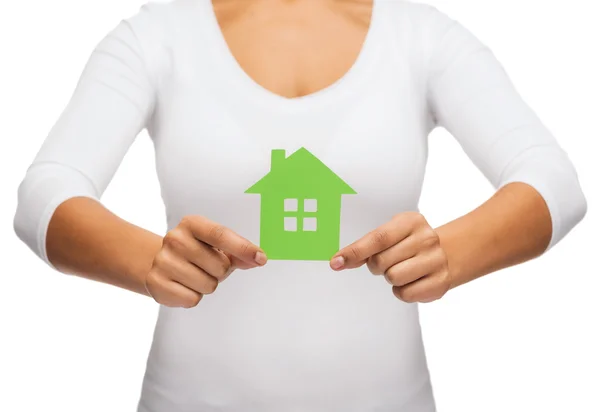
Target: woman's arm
538, 198
59, 215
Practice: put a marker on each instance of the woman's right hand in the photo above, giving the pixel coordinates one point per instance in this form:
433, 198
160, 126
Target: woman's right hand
195, 256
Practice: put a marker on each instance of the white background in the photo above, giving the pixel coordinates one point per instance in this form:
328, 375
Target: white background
523, 339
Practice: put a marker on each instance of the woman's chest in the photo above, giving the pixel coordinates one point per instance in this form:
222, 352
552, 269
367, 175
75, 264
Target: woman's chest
211, 148
216, 131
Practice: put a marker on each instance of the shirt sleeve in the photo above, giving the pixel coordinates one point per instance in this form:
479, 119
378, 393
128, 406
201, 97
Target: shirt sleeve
470, 95
111, 104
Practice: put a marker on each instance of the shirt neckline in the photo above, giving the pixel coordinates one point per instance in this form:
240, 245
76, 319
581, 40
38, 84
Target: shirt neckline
258, 94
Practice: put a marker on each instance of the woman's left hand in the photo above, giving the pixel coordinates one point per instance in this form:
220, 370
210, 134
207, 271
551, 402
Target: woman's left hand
407, 252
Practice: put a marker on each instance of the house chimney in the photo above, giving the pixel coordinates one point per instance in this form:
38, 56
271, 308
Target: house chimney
277, 158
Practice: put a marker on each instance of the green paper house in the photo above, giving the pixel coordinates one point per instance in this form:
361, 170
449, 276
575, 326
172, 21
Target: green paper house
301, 201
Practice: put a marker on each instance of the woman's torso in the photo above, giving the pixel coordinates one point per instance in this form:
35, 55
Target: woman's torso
293, 335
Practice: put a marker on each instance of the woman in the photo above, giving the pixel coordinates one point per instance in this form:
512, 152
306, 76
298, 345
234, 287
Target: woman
291, 142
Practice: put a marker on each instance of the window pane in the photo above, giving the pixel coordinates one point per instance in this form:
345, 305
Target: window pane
290, 224
309, 224
310, 205
290, 205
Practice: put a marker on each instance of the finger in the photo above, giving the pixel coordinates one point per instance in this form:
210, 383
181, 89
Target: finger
170, 293
192, 277
380, 262
180, 243
225, 239
356, 254
207, 258
414, 268
426, 289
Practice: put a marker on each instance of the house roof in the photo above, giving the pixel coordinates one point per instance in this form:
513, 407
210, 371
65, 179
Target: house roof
303, 174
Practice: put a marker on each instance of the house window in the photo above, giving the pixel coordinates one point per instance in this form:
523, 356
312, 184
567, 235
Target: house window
290, 224
309, 224
290, 205
310, 205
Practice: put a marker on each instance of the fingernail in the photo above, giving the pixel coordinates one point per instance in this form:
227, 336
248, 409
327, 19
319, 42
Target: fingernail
338, 262
260, 258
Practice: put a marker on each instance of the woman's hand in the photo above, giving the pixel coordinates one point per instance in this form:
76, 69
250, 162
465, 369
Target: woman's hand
195, 256
407, 252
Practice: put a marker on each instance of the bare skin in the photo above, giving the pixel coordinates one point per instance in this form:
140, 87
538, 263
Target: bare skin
294, 48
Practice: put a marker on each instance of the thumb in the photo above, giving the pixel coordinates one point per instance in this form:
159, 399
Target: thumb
344, 260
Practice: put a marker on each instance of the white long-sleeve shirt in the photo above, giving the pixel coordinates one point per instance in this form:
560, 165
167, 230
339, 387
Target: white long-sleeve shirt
293, 335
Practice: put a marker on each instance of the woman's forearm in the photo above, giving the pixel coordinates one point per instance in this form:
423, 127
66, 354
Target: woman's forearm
513, 226
86, 239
